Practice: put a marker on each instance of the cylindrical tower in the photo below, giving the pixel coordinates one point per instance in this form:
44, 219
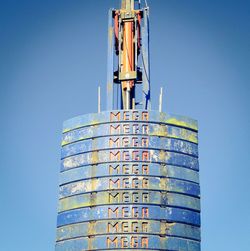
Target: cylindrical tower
129, 177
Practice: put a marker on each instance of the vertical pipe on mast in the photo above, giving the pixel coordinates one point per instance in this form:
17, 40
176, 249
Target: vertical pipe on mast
160, 101
99, 99
128, 4
128, 59
146, 61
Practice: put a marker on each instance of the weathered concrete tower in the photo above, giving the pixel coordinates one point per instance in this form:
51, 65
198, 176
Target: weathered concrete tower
129, 176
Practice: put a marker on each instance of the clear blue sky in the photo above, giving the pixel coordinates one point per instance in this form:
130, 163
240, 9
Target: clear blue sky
52, 58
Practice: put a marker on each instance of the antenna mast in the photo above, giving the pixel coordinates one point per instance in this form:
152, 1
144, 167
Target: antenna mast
128, 58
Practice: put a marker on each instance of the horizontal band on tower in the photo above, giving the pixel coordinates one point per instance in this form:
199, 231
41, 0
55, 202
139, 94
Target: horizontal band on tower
122, 226
130, 155
135, 142
129, 128
128, 169
129, 241
128, 211
129, 116
124, 197
141, 183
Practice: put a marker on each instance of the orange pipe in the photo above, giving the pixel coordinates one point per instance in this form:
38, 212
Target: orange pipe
116, 28
139, 30
128, 51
